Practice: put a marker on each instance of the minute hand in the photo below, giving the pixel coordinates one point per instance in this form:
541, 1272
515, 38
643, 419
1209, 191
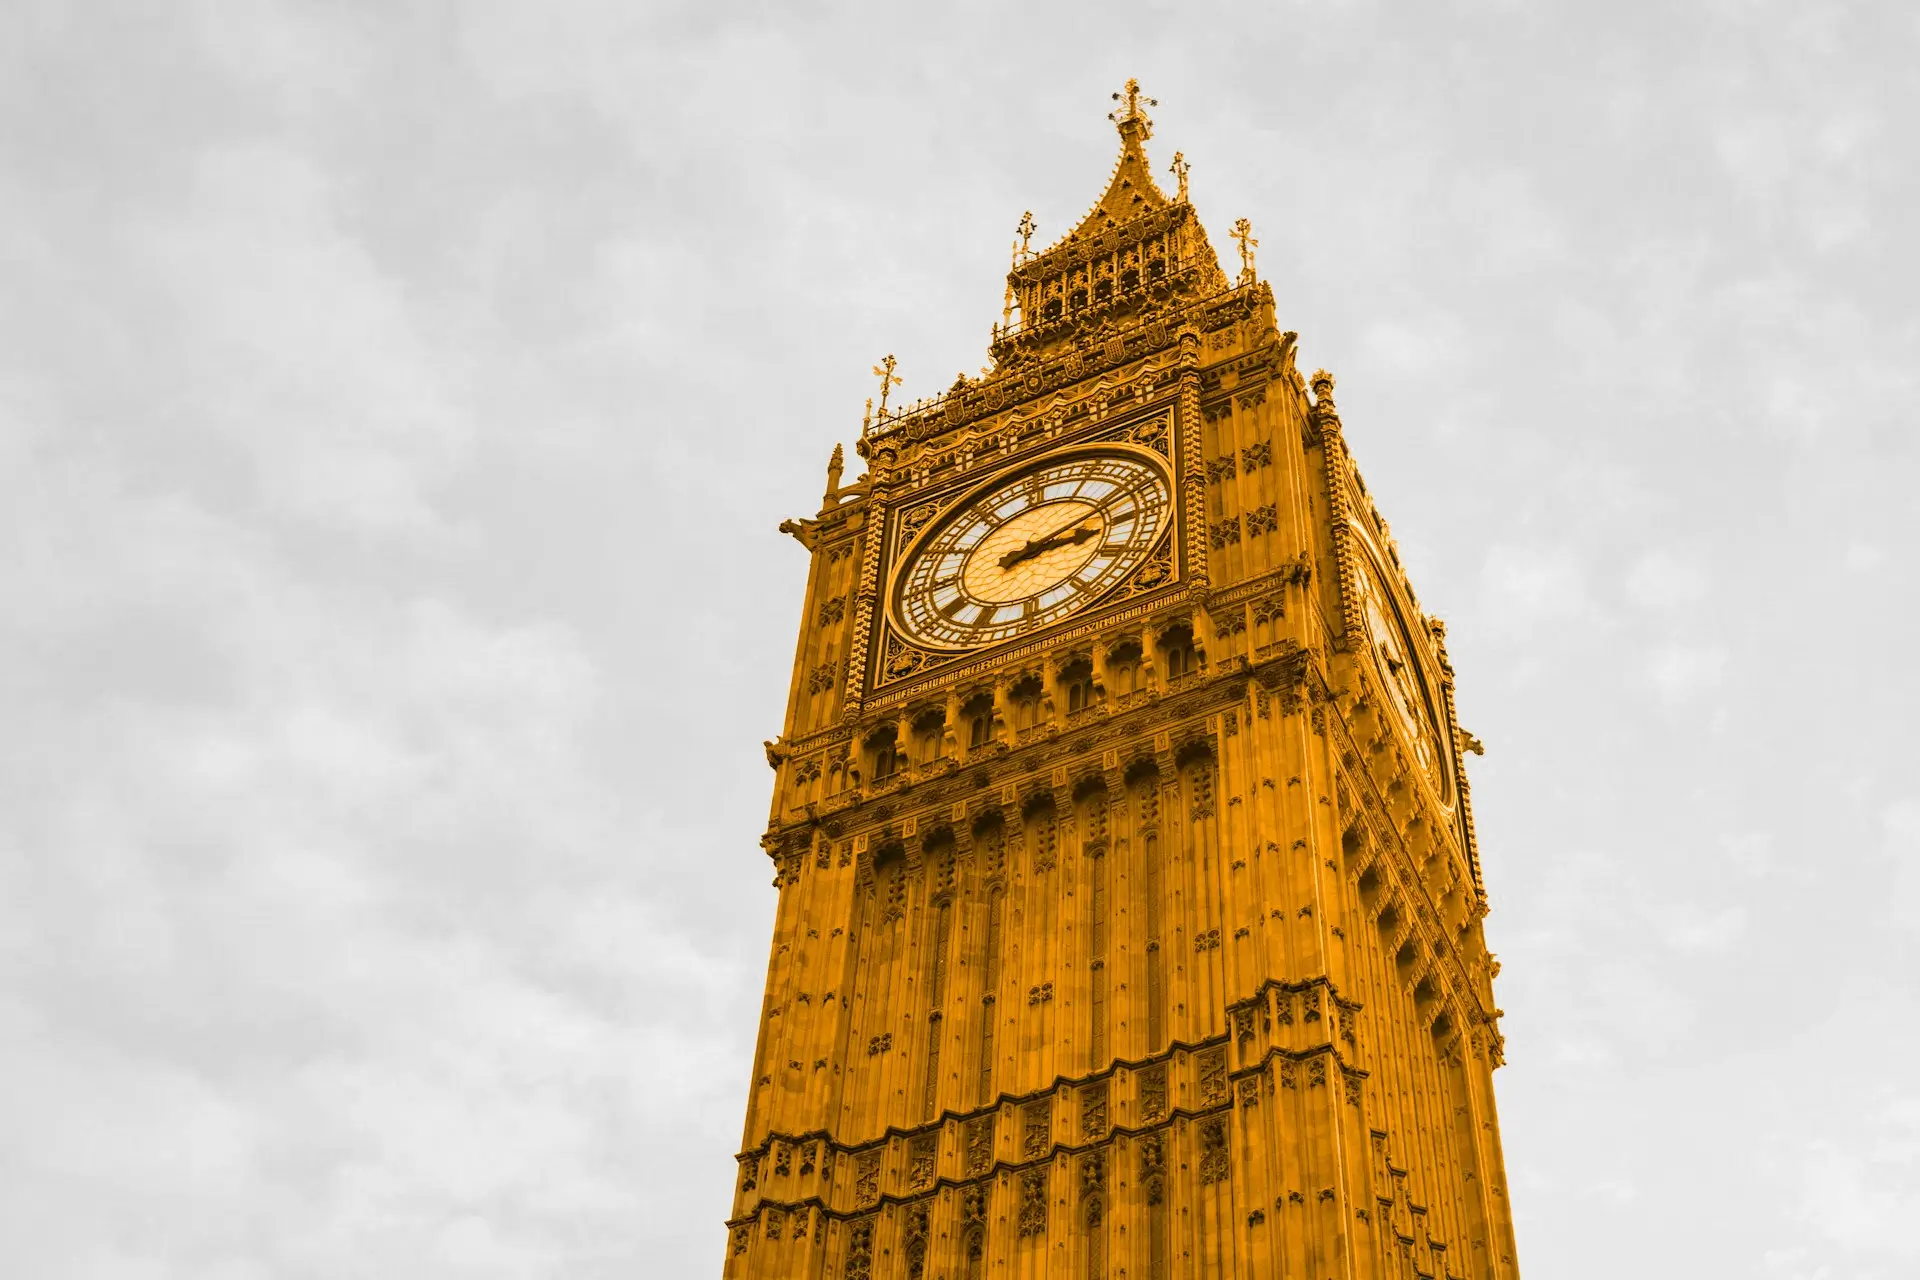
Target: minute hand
1066, 535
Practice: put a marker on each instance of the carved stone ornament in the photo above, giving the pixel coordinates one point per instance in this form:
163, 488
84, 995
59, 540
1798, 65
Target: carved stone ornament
1153, 1093
1214, 1164
1033, 1202
920, 1161
1038, 1131
1093, 1112
900, 660
914, 1238
1153, 1167
1213, 1076
980, 1145
860, 1250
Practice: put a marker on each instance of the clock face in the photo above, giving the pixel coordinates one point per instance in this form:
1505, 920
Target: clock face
1031, 549
1400, 681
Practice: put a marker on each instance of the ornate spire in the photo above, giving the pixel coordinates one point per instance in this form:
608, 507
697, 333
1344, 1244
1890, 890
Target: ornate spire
1131, 191
1135, 253
1130, 118
1179, 169
888, 380
1243, 232
1325, 414
836, 466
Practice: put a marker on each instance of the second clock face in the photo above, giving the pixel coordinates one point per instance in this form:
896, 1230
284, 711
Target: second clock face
1403, 687
1032, 549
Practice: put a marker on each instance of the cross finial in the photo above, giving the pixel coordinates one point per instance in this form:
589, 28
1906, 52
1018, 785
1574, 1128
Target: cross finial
1243, 232
1179, 169
888, 381
1026, 229
1131, 113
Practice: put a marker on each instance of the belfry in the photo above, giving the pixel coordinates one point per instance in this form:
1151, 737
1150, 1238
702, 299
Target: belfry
1129, 914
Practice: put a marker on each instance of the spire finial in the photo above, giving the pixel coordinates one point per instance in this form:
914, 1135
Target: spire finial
836, 467
1243, 232
1130, 113
1179, 169
888, 380
1326, 414
1026, 230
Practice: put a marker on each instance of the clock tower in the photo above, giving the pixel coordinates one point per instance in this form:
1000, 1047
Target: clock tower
1129, 908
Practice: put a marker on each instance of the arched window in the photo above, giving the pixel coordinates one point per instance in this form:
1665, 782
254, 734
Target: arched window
929, 735
1025, 694
1123, 667
884, 751
978, 713
1076, 679
1176, 653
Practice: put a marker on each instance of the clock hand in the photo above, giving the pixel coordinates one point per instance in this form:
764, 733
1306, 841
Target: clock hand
1066, 535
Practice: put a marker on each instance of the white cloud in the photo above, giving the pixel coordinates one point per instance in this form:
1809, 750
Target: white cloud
1864, 557
1413, 349
1710, 931
1680, 672
1664, 579
1864, 1198
288, 341
1526, 587
1900, 823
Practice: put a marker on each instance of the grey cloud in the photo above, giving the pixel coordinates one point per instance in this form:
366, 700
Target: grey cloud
396, 403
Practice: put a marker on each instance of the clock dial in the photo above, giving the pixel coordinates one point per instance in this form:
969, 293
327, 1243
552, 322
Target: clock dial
1031, 549
1399, 679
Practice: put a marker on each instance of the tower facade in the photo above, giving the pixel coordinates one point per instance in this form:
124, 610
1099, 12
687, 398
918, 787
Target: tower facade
1129, 911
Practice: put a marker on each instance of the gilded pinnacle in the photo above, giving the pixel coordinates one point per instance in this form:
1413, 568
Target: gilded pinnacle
836, 467
1243, 232
888, 380
1130, 113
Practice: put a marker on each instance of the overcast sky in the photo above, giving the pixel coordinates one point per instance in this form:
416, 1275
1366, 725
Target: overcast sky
396, 404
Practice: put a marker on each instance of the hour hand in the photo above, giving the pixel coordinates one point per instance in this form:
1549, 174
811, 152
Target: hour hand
1073, 535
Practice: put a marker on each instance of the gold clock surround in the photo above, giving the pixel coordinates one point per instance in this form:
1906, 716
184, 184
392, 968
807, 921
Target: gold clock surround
1032, 546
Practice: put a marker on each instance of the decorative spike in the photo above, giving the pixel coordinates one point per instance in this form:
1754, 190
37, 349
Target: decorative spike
836, 466
1130, 113
1243, 232
888, 381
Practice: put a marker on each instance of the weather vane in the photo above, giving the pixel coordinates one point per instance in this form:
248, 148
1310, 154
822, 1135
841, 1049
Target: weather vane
1179, 169
888, 380
1243, 232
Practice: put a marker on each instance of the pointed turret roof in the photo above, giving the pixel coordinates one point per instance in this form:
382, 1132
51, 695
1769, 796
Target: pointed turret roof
1134, 252
1131, 191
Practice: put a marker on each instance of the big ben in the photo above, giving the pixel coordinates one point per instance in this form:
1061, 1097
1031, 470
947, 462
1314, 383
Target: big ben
1129, 916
